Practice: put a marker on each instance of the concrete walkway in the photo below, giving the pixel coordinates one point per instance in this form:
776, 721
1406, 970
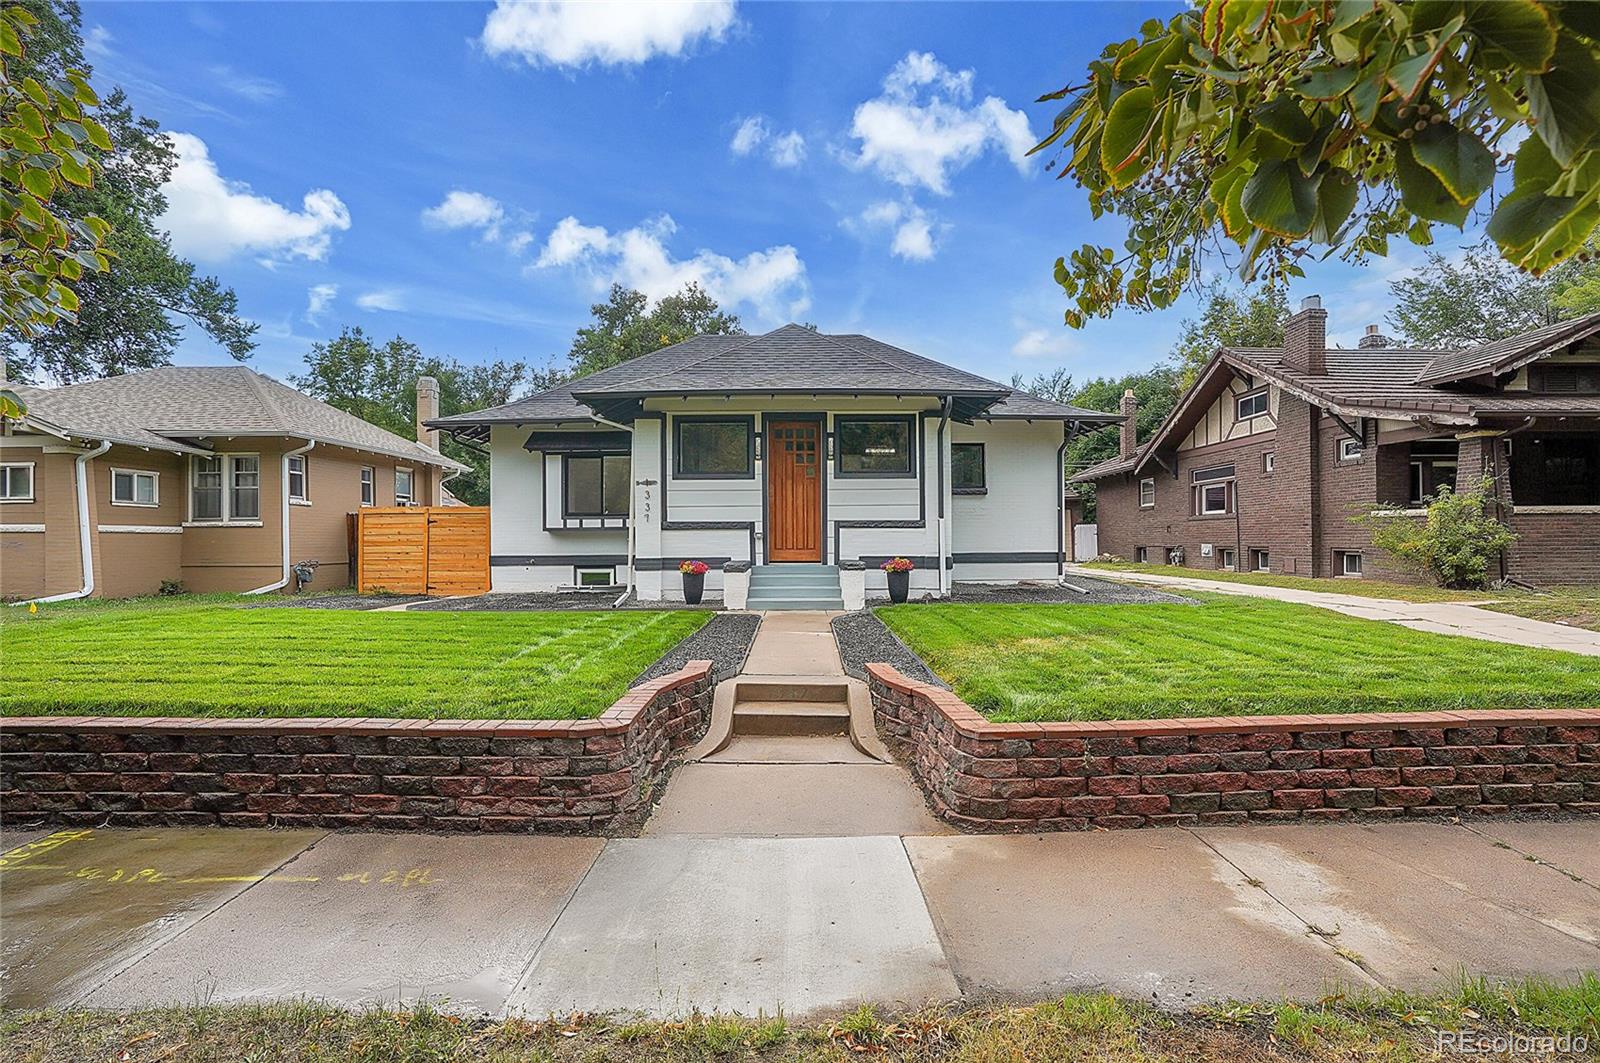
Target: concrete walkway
1444, 618
496, 924
791, 786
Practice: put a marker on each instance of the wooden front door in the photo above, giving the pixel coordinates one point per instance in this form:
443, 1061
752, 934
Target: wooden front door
794, 491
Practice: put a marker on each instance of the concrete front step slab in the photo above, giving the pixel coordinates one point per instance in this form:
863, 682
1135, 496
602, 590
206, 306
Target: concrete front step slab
796, 689
790, 718
829, 605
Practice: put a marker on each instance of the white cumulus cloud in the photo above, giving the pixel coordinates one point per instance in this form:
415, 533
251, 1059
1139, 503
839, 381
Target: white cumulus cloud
381, 299
771, 283
1044, 343
318, 298
467, 210
212, 219
608, 32
925, 126
755, 134
913, 232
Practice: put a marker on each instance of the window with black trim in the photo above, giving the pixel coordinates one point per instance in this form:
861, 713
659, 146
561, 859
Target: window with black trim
714, 448
875, 446
1248, 406
596, 485
967, 472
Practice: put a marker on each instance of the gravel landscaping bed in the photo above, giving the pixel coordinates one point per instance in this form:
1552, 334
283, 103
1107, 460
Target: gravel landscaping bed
725, 639
863, 639
336, 601
1100, 592
545, 600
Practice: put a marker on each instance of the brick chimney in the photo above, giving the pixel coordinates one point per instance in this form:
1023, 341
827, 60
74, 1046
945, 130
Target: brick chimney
1305, 338
427, 410
1130, 424
1374, 339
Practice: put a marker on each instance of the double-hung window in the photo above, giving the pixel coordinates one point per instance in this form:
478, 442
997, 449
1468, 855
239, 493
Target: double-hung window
225, 487
875, 446
368, 486
16, 482
968, 474
1248, 406
134, 487
1213, 490
403, 492
596, 485
299, 485
1147, 493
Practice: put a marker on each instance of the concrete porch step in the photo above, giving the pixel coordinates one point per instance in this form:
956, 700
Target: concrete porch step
835, 605
791, 718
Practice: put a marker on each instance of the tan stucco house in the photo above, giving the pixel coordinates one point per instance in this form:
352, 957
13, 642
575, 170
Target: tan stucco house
216, 477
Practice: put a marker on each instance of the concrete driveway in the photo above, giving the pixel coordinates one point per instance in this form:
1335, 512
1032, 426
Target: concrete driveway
663, 924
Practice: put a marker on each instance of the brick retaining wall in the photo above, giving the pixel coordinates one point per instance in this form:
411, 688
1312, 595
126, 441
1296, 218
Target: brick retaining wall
1063, 776
448, 775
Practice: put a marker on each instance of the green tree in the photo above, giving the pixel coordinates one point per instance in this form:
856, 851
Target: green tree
378, 383
1157, 390
133, 312
49, 145
1304, 127
1454, 546
1055, 385
626, 326
1484, 298
1229, 318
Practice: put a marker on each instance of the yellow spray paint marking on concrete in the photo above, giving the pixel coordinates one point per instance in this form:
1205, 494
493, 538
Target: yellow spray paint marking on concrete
149, 876
25, 852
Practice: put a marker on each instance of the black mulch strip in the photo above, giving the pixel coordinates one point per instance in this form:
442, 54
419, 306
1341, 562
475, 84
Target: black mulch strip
864, 639
1100, 592
334, 601
544, 600
725, 639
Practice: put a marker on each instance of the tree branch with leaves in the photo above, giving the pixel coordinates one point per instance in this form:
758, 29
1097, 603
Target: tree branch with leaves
1260, 134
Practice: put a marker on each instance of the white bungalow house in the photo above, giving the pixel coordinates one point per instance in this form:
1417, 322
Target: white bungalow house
791, 448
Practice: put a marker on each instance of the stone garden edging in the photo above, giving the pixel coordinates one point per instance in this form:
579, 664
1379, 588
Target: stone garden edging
988, 776
571, 776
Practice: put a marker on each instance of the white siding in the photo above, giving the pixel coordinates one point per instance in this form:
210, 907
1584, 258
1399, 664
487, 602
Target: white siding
519, 511
1020, 513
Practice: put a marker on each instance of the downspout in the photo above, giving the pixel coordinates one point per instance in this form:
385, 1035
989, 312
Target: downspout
1061, 503
943, 530
284, 487
85, 543
633, 488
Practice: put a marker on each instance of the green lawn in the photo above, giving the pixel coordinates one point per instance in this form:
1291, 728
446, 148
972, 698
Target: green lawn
161, 657
1364, 588
1226, 656
1579, 607
1390, 1027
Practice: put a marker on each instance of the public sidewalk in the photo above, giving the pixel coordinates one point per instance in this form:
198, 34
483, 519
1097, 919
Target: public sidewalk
1445, 618
663, 925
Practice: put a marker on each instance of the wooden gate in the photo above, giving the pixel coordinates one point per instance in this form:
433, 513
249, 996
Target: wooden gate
422, 549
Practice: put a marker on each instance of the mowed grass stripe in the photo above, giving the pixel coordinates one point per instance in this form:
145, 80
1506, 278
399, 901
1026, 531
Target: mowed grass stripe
214, 660
1223, 656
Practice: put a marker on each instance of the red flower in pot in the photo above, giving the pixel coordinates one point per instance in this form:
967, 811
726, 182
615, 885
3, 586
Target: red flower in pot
694, 580
898, 569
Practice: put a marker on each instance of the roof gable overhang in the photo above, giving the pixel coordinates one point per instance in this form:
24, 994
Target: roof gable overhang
1541, 343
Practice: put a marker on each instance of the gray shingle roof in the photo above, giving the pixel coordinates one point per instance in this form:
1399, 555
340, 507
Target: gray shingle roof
1504, 355
160, 408
790, 359
1109, 467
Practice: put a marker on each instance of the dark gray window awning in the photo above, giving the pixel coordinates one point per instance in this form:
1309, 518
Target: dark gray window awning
578, 442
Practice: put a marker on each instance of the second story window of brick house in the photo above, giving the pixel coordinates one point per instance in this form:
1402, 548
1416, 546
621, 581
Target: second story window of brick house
1147, 493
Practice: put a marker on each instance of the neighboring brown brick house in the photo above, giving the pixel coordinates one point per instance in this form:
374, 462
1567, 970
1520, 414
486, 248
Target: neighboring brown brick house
187, 474
1269, 454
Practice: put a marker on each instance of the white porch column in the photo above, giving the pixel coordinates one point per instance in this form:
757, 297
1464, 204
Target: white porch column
735, 584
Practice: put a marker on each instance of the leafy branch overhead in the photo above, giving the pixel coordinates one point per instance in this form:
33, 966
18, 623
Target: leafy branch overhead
47, 145
1262, 132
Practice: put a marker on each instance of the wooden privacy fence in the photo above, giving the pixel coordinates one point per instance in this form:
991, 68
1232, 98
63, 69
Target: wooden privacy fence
421, 549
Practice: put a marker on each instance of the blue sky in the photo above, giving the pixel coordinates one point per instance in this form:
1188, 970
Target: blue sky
473, 177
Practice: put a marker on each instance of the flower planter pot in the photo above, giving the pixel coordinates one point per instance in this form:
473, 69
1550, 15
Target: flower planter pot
899, 586
694, 586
